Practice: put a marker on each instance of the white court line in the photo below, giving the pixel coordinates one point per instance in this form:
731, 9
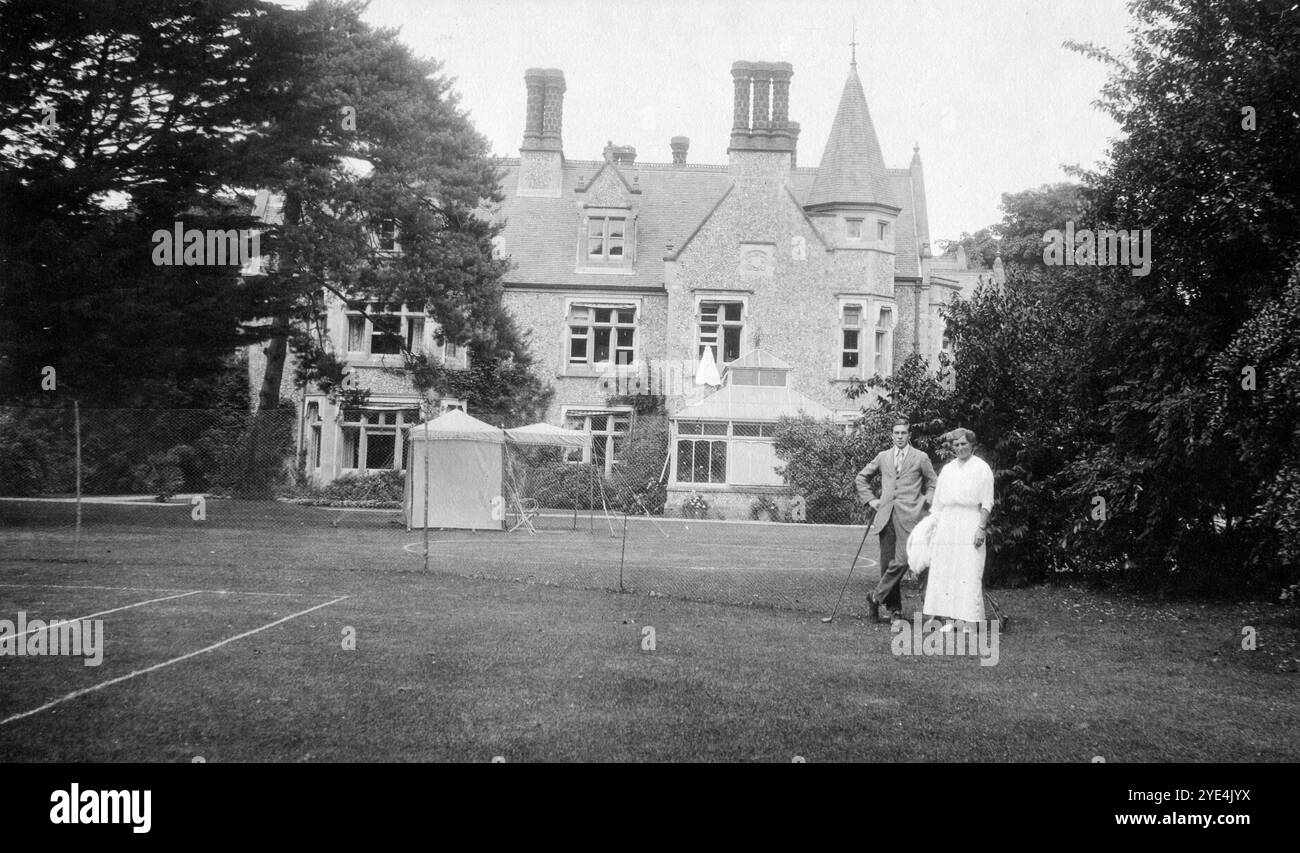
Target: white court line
154, 589
414, 547
867, 562
106, 612
83, 691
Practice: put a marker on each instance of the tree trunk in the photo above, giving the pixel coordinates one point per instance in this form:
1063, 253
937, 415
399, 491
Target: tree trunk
276, 350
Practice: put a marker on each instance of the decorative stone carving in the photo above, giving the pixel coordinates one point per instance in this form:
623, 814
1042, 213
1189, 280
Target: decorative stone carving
756, 259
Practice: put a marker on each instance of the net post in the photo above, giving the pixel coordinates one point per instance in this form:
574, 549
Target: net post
426, 495
76, 427
622, 553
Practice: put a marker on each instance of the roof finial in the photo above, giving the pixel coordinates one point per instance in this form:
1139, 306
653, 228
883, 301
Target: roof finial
854, 43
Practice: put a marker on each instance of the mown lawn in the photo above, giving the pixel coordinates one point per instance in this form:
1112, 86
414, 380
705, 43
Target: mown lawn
455, 668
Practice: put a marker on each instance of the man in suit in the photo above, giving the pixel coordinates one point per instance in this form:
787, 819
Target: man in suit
907, 482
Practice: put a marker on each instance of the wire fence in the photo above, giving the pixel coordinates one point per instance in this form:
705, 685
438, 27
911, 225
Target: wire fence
185, 489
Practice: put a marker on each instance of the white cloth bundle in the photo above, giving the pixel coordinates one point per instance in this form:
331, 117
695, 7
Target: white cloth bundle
920, 544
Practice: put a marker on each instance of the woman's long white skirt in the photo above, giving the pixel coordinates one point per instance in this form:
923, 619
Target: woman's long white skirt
955, 588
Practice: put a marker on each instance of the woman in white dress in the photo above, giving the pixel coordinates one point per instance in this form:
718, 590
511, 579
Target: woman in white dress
963, 499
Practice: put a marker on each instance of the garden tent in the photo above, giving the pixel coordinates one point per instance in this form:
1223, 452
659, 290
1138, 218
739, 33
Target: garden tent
466, 465
467, 469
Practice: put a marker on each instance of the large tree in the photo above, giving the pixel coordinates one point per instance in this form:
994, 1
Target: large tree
1026, 215
1116, 406
1208, 102
117, 120
372, 138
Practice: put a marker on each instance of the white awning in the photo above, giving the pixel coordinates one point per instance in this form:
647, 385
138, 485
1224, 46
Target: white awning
548, 435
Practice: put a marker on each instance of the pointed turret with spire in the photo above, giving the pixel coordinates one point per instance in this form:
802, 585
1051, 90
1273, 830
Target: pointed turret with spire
852, 170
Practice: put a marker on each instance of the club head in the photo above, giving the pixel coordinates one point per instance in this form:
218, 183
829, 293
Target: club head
827, 619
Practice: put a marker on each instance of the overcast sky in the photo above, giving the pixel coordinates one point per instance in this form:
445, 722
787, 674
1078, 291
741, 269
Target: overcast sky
985, 87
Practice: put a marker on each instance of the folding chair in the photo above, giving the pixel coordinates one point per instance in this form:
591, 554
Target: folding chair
526, 509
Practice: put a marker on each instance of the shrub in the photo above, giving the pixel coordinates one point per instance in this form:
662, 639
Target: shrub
695, 506
385, 487
161, 474
764, 505
637, 484
820, 463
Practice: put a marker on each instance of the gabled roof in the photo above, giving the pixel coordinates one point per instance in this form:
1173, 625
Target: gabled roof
758, 358
541, 234
752, 403
611, 166
852, 169
674, 201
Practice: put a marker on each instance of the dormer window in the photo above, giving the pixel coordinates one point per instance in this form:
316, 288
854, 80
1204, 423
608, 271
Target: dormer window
606, 239
853, 228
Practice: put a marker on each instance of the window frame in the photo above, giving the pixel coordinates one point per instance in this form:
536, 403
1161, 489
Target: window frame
849, 223
613, 415
882, 362
603, 262
591, 327
365, 429
315, 435
406, 319
863, 309
710, 432
871, 309
719, 340
381, 237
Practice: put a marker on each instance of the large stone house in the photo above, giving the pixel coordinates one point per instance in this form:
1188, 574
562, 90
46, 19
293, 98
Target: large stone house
741, 291
791, 280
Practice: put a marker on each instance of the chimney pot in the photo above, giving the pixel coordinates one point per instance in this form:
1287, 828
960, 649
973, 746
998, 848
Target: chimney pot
680, 145
620, 155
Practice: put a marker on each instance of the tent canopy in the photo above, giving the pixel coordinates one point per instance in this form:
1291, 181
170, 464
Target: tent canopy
549, 436
458, 426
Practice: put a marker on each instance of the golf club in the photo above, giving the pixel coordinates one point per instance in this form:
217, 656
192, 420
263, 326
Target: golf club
852, 566
1003, 621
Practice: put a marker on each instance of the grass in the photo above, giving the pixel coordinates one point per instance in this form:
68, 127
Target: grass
453, 667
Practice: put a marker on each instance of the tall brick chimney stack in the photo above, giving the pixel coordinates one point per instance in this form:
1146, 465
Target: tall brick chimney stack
761, 114
541, 156
544, 114
680, 145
